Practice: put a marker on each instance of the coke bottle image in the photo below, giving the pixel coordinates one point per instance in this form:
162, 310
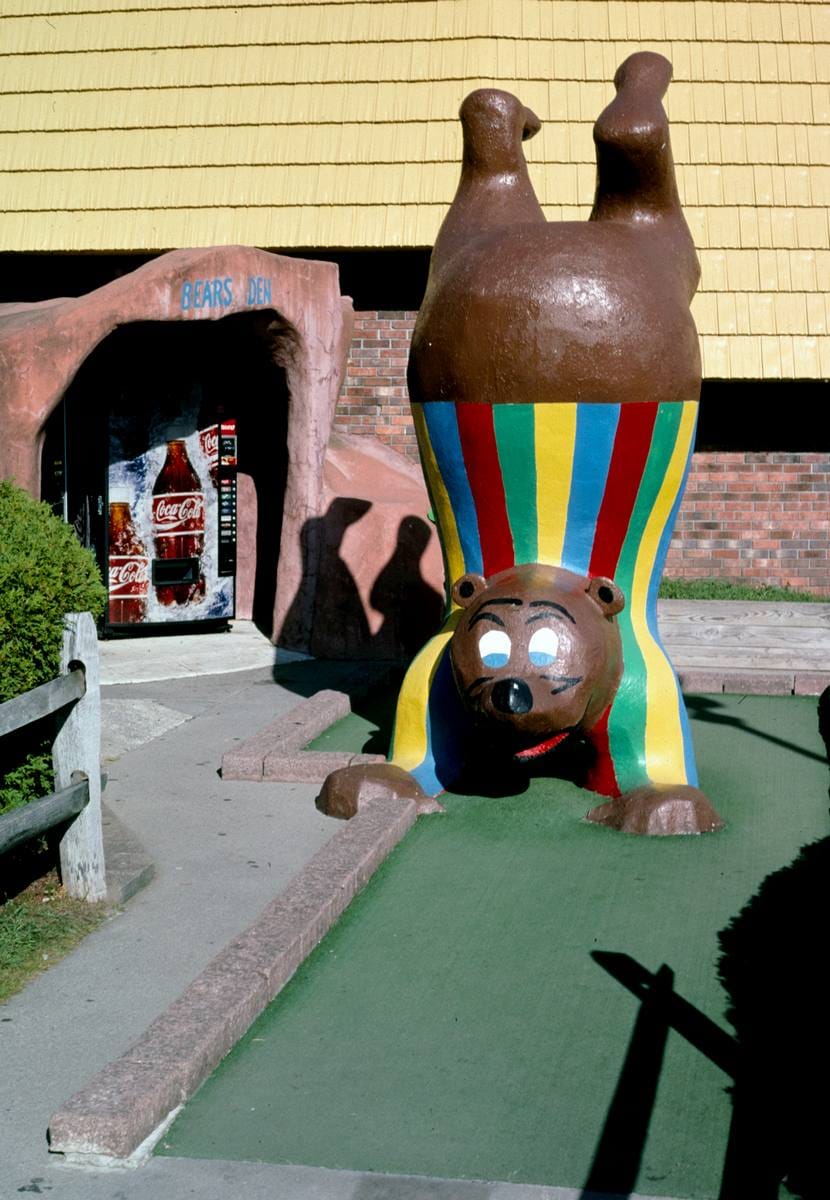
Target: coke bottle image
178, 520
129, 566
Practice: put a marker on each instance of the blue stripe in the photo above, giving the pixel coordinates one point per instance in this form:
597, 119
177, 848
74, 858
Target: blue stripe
442, 425
596, 427
651, 614
446, 722
688, 746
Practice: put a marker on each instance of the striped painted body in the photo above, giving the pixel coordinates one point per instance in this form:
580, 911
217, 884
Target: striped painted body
593, 488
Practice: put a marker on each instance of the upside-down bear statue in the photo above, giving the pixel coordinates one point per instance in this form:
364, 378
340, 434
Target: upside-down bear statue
554, 376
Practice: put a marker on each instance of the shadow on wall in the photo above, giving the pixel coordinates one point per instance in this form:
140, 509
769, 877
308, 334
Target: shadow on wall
410, 607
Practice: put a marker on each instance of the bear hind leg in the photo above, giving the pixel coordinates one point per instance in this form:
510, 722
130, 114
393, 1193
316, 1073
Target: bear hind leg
658, 810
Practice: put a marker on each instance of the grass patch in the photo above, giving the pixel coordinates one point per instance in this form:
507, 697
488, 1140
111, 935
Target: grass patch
724, 589
37, 928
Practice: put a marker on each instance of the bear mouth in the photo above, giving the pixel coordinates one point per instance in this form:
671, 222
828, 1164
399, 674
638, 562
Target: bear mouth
543, 747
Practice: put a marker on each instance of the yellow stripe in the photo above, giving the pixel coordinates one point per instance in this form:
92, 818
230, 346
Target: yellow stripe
454, 566
409, 740
555, 432
665, 762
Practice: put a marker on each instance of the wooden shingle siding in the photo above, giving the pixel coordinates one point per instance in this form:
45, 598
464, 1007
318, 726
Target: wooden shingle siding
143, 126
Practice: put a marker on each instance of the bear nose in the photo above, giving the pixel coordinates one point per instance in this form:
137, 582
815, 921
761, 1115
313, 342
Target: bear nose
512, 696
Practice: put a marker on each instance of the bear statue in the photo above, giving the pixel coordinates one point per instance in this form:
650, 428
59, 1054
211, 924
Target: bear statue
554, 377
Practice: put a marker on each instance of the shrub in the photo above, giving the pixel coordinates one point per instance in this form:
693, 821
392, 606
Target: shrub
44, 573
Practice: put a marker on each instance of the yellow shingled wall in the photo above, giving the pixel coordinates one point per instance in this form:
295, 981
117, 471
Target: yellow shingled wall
332, 124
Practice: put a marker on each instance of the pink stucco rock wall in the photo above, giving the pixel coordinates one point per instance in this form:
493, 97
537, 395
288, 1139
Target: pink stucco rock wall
359, 572
42, 345
380, 558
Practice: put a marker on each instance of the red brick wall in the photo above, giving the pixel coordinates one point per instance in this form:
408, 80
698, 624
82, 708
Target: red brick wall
762, 517
758, 517
374, 398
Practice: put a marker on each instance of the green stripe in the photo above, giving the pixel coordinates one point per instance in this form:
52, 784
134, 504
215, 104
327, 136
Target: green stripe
514, 427
627, 721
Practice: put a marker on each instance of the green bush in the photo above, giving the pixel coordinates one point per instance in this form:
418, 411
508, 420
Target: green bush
44, 573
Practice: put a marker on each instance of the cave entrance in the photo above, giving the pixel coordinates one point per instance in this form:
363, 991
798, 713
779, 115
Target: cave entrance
168, 455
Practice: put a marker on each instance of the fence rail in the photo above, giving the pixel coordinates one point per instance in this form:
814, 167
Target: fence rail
74, 699
41, 701
39, 816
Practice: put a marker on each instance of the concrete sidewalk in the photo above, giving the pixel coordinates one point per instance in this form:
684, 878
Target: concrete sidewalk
221, 851
182, 656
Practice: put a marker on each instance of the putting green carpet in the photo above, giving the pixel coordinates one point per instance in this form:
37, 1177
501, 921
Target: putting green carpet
454, 1022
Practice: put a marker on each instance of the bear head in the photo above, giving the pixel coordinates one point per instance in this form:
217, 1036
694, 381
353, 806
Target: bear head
536, 653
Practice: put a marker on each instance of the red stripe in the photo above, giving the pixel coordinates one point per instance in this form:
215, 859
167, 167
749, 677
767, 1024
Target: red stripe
632, 443
601, 776
481, 460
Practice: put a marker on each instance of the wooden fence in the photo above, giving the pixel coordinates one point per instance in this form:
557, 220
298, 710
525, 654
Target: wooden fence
75, 699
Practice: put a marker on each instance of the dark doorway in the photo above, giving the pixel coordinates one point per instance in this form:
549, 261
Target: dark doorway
257, 343
194, 373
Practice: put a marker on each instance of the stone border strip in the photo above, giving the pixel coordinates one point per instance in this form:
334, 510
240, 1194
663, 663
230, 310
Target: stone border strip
277, 752
121, 1107
756, 682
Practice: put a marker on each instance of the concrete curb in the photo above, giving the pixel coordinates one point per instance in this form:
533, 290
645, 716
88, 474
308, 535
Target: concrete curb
757, 682
119, 1109
277, 752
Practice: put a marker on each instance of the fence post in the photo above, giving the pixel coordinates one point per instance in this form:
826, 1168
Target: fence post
77, 747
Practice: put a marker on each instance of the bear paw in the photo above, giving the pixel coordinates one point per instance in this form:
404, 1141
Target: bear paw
350, 789
659, 810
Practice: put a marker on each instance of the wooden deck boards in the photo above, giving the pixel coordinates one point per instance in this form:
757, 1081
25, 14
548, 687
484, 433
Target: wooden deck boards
753, 641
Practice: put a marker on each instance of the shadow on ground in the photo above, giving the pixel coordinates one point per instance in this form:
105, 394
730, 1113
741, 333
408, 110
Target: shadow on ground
772, 967
705, 708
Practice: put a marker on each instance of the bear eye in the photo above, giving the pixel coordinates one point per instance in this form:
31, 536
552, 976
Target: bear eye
543, 648
494, 648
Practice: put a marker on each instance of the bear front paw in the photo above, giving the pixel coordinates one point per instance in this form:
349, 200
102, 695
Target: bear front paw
659, 810
349, 789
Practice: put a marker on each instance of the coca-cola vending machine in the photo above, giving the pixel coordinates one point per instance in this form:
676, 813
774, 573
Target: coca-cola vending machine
171, 501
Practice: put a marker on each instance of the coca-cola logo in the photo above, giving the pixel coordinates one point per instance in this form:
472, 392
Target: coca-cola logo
179, 513
209, 439
129, 576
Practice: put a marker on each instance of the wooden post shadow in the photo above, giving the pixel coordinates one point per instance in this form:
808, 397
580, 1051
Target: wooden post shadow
619, 1151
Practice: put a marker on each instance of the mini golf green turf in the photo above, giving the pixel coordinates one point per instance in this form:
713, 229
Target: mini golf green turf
454, 1023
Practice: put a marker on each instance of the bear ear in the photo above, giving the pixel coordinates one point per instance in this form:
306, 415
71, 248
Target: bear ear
467, 589
607, 595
